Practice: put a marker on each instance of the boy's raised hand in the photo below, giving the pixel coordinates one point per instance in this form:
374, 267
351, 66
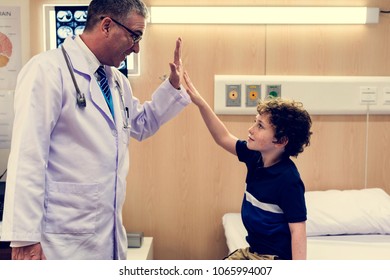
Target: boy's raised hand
195, 96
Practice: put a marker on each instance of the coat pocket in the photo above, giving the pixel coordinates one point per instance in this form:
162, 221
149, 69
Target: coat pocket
71, 208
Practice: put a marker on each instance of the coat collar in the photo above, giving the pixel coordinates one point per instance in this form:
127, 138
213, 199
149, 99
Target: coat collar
86, 64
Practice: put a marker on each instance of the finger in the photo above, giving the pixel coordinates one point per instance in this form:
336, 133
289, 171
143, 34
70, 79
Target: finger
188, 84
188, 80
26, 255
173, 67
16, 254
177, 54
185, 76
34, 255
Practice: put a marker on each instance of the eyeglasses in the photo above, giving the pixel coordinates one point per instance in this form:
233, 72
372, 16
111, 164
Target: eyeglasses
136, 37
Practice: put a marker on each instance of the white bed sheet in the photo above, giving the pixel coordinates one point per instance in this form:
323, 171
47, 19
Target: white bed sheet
335, 247
349, 247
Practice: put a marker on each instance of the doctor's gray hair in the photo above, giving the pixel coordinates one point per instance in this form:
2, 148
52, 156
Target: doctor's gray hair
117, 9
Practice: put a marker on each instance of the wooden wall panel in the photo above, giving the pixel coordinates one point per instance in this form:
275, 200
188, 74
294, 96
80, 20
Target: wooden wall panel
378, 163
180, 182
335, 159
328, 50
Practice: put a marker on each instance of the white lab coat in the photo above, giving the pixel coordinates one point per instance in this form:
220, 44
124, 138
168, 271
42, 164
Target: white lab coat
67, 168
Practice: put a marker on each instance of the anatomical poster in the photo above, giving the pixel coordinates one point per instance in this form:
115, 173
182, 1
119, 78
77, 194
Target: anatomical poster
10, 46
6, 118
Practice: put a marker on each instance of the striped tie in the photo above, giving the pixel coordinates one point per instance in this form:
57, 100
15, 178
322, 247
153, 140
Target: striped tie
103, 82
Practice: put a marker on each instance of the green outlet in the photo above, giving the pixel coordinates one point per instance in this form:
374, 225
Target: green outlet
274, 91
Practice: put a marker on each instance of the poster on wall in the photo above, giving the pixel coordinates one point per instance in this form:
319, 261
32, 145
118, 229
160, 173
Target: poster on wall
63, 21
6, 118
10, 46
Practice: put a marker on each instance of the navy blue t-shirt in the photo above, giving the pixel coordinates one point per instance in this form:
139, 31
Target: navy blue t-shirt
273, 198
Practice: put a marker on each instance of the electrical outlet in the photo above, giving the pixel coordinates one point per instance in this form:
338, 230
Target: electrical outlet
253, 94
233, 95
368, 95
386, 95
274, 91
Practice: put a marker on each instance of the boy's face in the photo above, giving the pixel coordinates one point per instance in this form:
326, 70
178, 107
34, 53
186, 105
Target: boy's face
262, 135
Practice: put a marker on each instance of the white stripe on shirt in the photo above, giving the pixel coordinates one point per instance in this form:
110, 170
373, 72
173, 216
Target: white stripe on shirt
273, 208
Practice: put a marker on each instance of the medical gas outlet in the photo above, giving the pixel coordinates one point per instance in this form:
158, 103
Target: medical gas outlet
320, 95
233, 95
274, 91
253, 94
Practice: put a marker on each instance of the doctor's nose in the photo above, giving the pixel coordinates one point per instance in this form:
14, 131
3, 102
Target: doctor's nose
136, 48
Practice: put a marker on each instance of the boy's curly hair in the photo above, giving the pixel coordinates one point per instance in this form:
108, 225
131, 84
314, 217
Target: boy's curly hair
290, 121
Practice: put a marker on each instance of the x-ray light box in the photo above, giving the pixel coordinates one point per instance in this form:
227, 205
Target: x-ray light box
61, 21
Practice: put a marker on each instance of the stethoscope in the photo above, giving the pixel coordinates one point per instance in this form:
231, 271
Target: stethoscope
81, 102
80, 97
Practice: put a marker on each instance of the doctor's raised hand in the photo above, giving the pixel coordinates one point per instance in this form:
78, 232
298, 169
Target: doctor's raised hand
176, 66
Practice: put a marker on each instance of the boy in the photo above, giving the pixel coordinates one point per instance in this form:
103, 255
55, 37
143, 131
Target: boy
273, 209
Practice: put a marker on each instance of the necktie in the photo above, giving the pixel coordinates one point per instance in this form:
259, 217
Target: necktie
103, 82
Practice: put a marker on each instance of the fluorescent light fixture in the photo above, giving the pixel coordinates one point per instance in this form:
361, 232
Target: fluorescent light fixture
263, 15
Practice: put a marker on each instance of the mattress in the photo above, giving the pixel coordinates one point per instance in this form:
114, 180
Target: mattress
327, 247
349, 247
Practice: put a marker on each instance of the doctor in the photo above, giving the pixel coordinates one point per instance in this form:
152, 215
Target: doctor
69, 156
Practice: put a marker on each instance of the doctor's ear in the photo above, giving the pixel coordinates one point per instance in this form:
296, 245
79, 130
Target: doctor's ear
105, 25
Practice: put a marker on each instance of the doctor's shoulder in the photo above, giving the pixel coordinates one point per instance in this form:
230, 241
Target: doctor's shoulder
45, 64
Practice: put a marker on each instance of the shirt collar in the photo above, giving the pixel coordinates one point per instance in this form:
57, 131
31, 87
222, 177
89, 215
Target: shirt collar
280, 166
93, 62
276, 168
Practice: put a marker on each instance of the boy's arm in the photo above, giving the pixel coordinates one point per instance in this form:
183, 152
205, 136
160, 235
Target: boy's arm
298, 240
217, 129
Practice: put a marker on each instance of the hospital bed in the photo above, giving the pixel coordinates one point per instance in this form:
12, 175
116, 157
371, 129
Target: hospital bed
341, 225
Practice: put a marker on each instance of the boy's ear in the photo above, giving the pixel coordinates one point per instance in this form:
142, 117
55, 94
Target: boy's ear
282, 141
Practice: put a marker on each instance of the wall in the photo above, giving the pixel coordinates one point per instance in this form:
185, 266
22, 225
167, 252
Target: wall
181, 182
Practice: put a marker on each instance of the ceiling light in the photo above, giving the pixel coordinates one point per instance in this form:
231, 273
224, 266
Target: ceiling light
263, 15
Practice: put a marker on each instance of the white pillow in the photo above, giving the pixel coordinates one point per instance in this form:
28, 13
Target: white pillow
335, 212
